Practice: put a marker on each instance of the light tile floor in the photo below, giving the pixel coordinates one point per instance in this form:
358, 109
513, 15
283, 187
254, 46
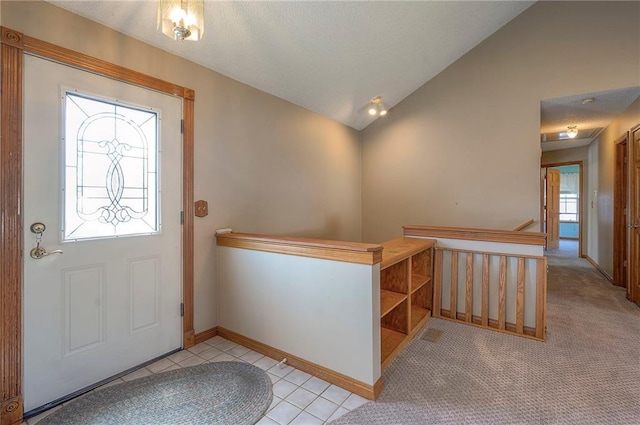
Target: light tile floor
298, 398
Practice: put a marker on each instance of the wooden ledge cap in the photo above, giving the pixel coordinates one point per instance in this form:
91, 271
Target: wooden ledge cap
486, 235
350, 252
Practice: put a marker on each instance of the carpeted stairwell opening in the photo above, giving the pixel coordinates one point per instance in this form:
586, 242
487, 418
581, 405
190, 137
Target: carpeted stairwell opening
587, 372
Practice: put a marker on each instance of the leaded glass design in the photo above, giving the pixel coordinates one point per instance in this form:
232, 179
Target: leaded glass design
111, 177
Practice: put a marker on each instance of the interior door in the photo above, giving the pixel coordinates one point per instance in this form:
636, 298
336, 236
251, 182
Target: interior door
102, 173
634, 204
620, 208
553, 209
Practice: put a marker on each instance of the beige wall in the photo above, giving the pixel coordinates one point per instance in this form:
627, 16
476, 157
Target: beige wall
602, 155
464, 149
580, 153
263, 164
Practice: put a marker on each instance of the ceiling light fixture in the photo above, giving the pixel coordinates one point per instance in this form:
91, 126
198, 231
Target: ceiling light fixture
181, 19
588, 100
572, 131
376, 107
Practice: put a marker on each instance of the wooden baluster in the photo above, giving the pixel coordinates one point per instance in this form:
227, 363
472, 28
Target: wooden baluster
437, 284
520, 297
469, 289
485, 289
502, 293
541, 301
453, 302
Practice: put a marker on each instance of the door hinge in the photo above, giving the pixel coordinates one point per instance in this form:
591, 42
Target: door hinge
624, 263
181, 217
624, 211
181, 309
626, 159
181, 126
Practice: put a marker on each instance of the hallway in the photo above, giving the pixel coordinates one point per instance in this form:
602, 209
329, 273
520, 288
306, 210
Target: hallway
568, 248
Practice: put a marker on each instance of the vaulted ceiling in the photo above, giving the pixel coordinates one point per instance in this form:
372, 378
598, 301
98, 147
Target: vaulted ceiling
330, 57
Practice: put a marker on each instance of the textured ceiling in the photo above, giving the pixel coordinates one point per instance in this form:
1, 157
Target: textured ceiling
557, 114
330, 57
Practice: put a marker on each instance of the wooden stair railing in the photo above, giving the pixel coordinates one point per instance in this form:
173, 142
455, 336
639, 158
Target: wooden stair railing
495, 279
524, 225
501, 285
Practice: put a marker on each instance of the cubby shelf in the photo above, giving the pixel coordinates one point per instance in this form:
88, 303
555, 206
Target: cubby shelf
389, 300
418, 314
406, 292
418, 281
390, 339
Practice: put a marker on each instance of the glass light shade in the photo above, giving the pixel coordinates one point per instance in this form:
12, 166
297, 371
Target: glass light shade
372, 109
572, 132
383, 109
181, 19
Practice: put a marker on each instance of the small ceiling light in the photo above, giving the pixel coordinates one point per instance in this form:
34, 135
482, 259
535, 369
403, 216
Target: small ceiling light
588, 100
572, 131
181, 19
376, 107
382, 108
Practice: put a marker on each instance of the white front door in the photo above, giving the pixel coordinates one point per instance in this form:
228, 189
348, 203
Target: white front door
102, 172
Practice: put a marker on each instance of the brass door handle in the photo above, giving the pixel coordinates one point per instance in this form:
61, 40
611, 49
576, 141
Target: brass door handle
634, 226
39, 252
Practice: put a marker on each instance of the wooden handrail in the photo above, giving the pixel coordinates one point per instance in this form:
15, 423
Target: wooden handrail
486, 235
350, 252
524, 225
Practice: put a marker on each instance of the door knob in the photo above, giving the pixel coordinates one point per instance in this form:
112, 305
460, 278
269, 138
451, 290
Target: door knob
634, 226
38, 252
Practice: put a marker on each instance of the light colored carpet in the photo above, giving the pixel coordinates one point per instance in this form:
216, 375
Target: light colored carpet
588, 371
220, 393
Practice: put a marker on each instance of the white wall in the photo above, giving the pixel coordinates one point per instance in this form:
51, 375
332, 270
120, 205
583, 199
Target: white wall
263, 164
464, 149
326, 312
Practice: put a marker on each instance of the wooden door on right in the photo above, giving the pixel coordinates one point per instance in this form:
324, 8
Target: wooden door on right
634, 218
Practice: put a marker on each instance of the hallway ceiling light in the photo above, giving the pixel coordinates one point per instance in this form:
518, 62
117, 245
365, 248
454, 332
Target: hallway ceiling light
376, 107
572, 131
181, 19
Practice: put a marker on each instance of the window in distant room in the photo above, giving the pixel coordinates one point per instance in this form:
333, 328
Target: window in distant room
569, 207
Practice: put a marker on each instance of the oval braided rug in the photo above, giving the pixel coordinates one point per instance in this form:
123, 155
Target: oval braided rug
224, 393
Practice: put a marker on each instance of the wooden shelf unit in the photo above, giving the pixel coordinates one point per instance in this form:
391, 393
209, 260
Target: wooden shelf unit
406, 292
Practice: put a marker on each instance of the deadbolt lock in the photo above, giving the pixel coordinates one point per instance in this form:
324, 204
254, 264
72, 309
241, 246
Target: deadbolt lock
38, 228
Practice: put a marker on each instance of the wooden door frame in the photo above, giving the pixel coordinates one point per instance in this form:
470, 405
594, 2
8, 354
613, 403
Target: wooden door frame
13, 46
620, 203
542, 198
634, 248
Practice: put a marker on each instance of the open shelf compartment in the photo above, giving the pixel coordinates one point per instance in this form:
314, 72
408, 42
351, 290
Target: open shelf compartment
389, 300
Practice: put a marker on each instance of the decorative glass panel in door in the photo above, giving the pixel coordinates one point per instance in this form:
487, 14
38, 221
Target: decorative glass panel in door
110, 181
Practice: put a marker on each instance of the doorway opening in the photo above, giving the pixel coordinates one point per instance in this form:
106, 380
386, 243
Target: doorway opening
561, 207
